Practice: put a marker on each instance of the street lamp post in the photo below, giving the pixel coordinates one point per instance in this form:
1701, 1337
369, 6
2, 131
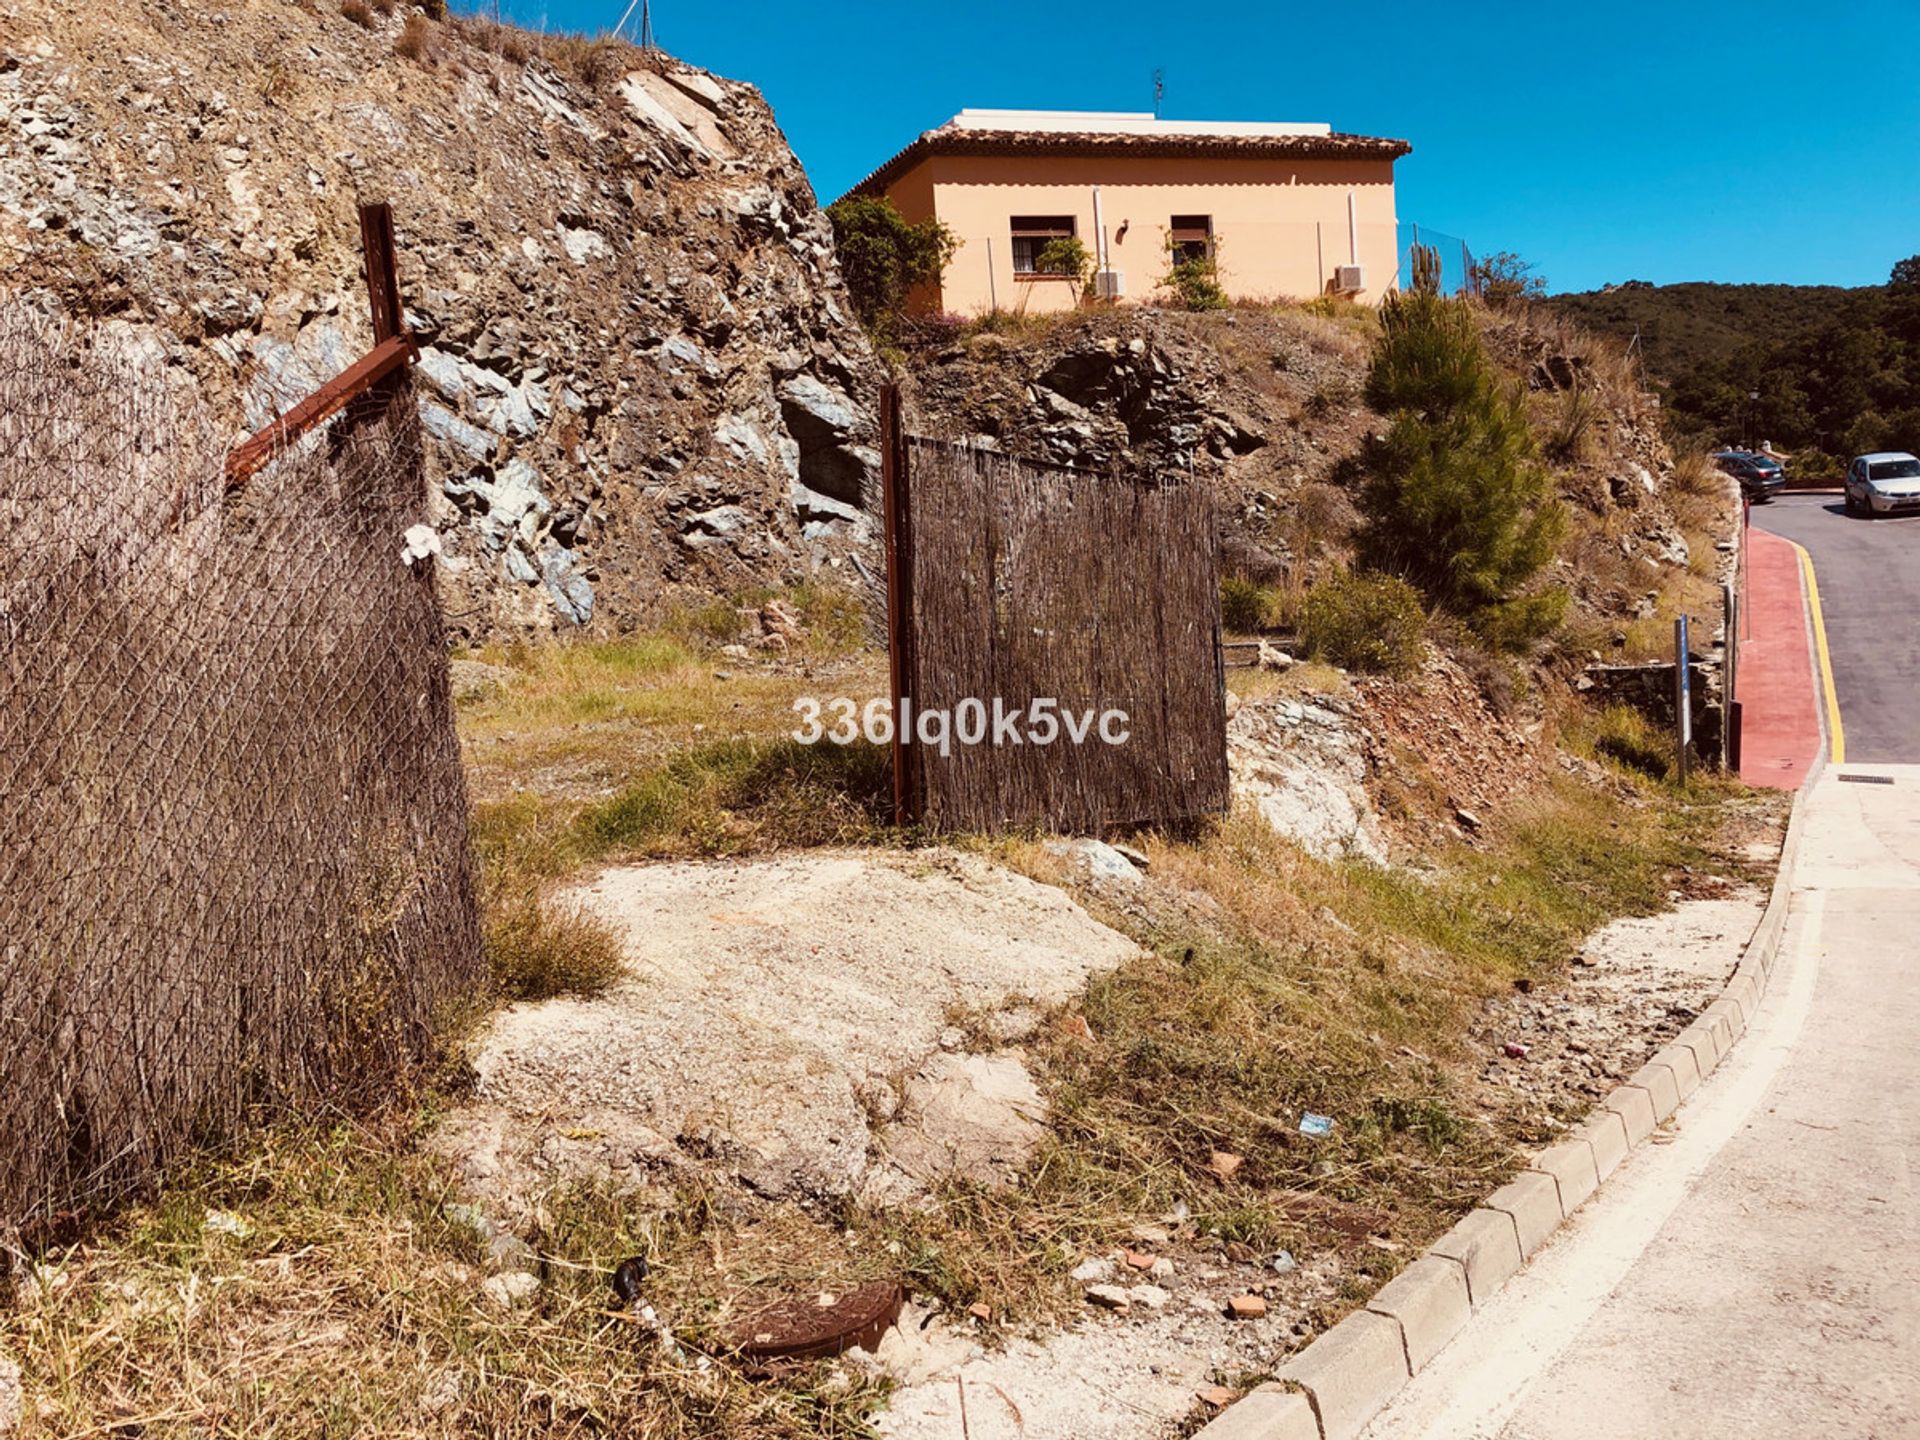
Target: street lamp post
1753, 404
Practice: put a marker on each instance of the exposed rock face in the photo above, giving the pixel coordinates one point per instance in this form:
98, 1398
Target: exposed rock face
1304, 767
637, 372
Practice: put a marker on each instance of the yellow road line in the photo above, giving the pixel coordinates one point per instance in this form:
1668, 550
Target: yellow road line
1836, 736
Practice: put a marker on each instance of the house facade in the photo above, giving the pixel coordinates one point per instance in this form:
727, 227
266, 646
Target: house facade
1284, 210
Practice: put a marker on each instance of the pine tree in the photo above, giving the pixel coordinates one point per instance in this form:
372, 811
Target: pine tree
1456, 496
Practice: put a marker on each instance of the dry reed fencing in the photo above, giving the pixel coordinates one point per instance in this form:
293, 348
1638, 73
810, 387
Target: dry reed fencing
1017, 582
234, 865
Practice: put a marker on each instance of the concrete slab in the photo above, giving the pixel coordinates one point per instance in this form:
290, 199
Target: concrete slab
1271, 1412
1657, 1079
1637, 1108
1533, 1200
1705, 1045
1686, 1070
1605, 1132
1429, 1299
1730, 1018
1488, 1248
1351, 1371
1574, 1172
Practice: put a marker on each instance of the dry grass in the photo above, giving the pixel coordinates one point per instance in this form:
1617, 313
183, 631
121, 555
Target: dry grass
419, 41
359, 12
320, 1285
538, 947
351, 1303
1343, 989
650, 747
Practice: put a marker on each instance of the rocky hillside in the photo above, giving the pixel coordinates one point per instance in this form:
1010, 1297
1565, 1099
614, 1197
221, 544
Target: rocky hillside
1266, 405
638, 373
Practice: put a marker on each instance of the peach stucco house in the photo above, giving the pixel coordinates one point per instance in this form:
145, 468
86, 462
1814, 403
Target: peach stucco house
1287, 210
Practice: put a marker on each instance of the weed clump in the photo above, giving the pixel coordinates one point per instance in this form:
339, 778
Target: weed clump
1625, 736
359, 12
740, 796
416, 41
538, 948
1247, 607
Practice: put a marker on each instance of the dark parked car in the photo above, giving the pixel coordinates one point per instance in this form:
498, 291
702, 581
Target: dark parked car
1760, 476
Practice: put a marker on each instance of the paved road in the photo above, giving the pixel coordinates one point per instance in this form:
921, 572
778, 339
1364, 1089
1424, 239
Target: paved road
1869, 577
1759, 1275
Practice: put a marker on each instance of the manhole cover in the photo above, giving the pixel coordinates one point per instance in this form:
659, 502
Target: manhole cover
807, 1327
1866, 779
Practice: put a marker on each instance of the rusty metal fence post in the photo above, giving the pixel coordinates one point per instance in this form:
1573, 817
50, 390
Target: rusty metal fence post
372, 377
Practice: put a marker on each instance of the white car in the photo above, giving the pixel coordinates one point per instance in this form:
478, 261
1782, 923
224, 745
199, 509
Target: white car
1883, 483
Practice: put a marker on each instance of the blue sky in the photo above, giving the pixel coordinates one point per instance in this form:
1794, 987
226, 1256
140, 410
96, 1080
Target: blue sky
1757, 142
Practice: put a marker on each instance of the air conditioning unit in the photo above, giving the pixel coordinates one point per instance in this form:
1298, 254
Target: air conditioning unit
1350, 279
1110, 284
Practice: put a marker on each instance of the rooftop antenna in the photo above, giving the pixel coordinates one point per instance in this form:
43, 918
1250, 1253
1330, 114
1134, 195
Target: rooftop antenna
1159, 90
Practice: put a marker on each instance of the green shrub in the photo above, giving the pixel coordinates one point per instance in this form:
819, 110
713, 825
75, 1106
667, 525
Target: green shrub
883, 257
1364, 622
1247, 607
1194, 283
1455, 496
1065, 255
1522, 622
1505, 277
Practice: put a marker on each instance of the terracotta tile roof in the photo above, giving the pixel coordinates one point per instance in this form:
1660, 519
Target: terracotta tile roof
952, 139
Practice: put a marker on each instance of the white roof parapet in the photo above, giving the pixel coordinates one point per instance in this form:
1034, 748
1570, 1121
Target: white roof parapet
1124, 122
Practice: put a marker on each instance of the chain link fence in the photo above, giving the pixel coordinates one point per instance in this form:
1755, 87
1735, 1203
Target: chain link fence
234, 867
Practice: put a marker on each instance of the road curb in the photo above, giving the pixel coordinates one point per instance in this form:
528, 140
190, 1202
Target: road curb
1351, 1372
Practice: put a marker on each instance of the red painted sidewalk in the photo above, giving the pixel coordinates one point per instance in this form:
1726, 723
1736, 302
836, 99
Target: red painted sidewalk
1779, 706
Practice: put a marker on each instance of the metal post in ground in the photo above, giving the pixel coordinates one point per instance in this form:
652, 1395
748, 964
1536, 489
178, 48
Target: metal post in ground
1682, 697
1729, 670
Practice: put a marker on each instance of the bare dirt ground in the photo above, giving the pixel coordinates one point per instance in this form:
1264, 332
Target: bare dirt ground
1638, 982
788, 1023
783, 1025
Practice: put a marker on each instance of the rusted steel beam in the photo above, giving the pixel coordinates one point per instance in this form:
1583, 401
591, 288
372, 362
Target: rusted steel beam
383, 271
373, 372
389, 356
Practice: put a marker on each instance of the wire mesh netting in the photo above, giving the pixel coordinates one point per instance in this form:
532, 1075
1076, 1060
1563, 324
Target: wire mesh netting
1034, 583
234, 867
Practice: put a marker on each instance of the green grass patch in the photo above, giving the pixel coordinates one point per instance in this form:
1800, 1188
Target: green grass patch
736, 796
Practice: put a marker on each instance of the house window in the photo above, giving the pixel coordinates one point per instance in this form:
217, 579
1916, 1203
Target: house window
1031, 234
1190, 237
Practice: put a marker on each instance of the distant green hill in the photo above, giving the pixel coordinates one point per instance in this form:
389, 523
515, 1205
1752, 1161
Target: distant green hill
1700, 322
1837, 368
